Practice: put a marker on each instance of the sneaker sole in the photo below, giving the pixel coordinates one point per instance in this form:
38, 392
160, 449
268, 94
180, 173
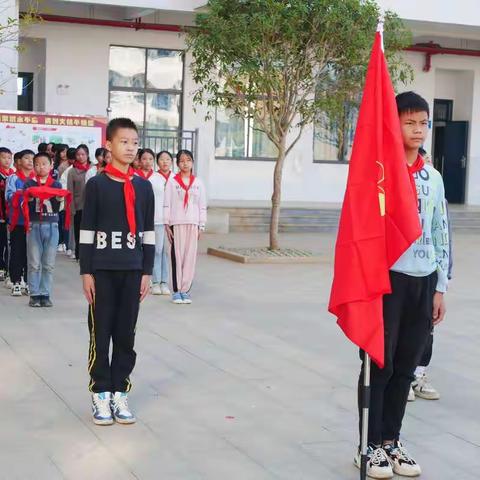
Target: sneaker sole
380, 475
16, 294
124, 421
187, 302
177, 302
103, 422
427, 396
404, 473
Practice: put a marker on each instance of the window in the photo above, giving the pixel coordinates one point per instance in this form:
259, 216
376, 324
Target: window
237, 138
333, 142
146, 85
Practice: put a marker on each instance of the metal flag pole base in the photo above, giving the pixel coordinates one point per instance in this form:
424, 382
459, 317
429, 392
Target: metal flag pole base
365, 411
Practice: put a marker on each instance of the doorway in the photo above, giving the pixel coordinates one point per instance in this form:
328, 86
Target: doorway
25, 92
450, 147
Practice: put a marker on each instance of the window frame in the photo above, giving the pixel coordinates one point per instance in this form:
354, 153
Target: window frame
145, 90
248, 125
333, 161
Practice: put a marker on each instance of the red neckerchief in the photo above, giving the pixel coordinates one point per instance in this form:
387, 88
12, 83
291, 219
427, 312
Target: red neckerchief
7, 173
414, 168
166, 176
83, 167
45, 192
128, 191
179, 179
144, 175
23, 177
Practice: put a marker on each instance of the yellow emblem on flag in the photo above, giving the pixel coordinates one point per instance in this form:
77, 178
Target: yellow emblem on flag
381, 191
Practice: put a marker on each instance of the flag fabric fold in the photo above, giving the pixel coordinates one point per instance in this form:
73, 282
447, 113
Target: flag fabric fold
379, 218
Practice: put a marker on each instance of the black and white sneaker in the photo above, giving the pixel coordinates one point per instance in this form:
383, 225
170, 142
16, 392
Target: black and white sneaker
378, 465
402, 462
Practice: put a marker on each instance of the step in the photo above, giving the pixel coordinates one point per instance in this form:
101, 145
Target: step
321, 220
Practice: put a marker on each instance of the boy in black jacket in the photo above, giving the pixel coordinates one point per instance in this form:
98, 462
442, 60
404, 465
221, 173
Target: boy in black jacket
117, 249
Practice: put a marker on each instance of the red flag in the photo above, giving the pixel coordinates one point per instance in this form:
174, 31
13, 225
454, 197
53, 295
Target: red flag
379, 219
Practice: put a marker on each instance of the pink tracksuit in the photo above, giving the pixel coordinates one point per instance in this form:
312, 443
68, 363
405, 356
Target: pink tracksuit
186, 222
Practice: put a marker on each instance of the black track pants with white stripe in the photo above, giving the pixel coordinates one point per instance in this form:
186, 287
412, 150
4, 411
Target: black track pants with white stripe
113, 317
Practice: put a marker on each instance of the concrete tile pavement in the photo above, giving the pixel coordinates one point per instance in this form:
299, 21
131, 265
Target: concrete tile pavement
252, 381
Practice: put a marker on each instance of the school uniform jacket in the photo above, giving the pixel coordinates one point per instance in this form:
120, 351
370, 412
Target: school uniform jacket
105, 240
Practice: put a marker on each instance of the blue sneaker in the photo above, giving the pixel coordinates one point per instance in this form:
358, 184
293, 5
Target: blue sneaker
177, 298
102, 415
120, 408
186, 298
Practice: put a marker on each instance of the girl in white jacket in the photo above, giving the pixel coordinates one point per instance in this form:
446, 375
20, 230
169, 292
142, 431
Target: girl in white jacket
158, 180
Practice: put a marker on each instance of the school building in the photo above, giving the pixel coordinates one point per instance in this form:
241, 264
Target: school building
120, 57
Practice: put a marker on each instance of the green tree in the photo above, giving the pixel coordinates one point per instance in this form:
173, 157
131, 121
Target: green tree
282, 62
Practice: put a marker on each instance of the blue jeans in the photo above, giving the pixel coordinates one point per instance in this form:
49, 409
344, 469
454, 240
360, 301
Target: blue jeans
160, 266
42, 242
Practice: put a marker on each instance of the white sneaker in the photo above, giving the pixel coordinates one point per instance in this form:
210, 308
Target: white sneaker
72, 255
68, 253
120, 408
164, 289
102, 414
3, 275
402, 462
378, 464
8, 283
156, 289
60, 248
16, 290
424, 389
411, 395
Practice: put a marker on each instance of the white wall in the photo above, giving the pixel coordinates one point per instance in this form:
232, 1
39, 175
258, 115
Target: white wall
457, 78
79, 55
8, 56
460, 12
32, 60
456, 85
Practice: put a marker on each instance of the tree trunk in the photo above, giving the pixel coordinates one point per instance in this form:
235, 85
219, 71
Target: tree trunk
276, 197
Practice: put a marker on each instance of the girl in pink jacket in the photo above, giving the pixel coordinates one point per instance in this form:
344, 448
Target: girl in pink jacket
185, 216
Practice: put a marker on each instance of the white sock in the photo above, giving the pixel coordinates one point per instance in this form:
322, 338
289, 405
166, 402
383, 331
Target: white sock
420, 371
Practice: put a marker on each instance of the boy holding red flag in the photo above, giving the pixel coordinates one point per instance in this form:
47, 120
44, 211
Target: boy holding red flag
391, 261
418, 282
117, 248
41, 202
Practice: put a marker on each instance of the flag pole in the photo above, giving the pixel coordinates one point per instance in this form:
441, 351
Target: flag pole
367, 363
365, 414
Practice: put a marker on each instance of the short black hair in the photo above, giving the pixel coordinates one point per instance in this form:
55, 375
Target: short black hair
17, 156
117, 123
411, 102
99, 152
71, 153
42, 147
27, 151
184, 152
159, 154
40, 155
147, 150
5, 150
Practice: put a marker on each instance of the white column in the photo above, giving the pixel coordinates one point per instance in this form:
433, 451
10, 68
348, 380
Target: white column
8, 55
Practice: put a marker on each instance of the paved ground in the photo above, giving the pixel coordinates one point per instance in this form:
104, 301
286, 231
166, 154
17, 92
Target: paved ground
253, 381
